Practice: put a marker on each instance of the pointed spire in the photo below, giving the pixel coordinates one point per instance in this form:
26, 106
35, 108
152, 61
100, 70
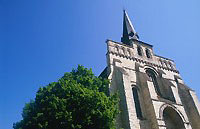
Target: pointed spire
128, 30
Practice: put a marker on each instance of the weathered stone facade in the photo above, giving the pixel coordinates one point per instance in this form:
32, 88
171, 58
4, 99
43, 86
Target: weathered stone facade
152, 93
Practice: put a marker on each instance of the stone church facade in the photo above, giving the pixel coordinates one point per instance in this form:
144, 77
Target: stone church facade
152, 92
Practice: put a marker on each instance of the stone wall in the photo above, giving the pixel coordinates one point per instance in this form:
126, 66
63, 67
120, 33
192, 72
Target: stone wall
125, 69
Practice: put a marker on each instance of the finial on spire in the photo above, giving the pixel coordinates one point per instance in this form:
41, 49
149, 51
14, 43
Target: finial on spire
128, 30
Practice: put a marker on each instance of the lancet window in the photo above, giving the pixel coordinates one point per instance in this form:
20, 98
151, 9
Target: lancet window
152, 76
162, 86
137, 103
139, 50
148, 53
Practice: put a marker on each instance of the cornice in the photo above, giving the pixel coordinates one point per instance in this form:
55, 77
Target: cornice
142, 61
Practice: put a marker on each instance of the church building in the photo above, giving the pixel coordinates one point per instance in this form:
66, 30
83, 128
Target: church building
151, 90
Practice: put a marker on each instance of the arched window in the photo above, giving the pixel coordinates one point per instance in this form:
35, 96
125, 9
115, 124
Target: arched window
124, 51
117, 49
171, 66
152, 75
139, 50
137, 103
148, 53
129, 52
162, 85
172, 119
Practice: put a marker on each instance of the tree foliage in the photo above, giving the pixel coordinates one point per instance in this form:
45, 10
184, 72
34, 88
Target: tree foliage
79, 100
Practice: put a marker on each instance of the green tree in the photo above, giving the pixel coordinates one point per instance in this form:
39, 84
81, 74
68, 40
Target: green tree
79, 100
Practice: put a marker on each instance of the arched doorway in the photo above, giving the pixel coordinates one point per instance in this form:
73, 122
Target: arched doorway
172, 119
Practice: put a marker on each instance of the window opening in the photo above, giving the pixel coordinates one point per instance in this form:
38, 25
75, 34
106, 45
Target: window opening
148, 54
172, 119
153, 78
137, 103
139, 49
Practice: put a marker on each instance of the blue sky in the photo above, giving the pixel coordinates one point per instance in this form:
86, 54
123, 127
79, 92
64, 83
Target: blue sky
42, 39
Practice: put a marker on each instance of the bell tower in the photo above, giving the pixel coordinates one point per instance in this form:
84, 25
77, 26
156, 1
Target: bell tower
152, 92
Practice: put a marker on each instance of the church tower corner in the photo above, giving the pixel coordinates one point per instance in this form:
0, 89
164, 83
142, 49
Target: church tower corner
152, 92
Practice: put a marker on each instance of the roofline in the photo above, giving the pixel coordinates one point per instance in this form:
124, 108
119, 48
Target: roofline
128, 45
143, 43
163, 57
